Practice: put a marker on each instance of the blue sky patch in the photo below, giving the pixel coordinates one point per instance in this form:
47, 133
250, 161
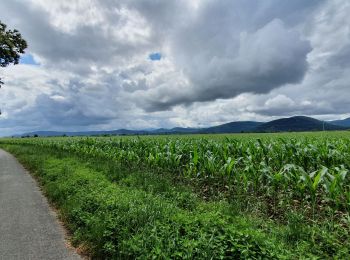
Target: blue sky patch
28, 59
155, 56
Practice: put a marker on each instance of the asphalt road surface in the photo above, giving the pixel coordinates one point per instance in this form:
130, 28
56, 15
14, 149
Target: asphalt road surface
29, 229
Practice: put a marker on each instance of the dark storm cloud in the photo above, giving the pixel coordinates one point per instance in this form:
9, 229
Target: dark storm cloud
225, 66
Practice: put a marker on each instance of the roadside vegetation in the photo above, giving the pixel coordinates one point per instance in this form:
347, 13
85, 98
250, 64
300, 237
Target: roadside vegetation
280, 196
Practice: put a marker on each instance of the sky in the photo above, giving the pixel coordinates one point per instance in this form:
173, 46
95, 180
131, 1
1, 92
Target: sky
141, 64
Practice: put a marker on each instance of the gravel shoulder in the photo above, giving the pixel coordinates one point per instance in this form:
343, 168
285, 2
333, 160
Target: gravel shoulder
29, 229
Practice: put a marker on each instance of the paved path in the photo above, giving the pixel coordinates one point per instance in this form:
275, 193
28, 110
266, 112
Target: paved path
28, 227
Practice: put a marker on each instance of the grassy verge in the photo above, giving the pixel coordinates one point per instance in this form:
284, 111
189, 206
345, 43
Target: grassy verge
115, 213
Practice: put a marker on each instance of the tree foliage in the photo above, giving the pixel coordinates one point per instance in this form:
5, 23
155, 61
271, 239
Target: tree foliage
11, 46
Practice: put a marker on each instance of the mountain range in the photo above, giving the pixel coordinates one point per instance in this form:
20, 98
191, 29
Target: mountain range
291, 124
344, 122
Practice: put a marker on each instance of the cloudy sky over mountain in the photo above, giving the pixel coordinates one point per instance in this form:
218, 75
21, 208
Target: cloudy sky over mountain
135, 64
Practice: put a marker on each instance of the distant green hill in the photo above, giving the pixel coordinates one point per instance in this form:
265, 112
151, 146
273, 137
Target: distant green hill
296, 124
344, 122
233, 127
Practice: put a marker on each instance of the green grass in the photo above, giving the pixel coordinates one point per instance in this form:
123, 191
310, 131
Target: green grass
117, 204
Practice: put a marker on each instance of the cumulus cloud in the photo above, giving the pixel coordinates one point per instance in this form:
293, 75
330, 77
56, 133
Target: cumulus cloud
263, 60
219, 61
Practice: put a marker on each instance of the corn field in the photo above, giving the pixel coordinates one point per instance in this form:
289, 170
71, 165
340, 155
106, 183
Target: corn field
304, 168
